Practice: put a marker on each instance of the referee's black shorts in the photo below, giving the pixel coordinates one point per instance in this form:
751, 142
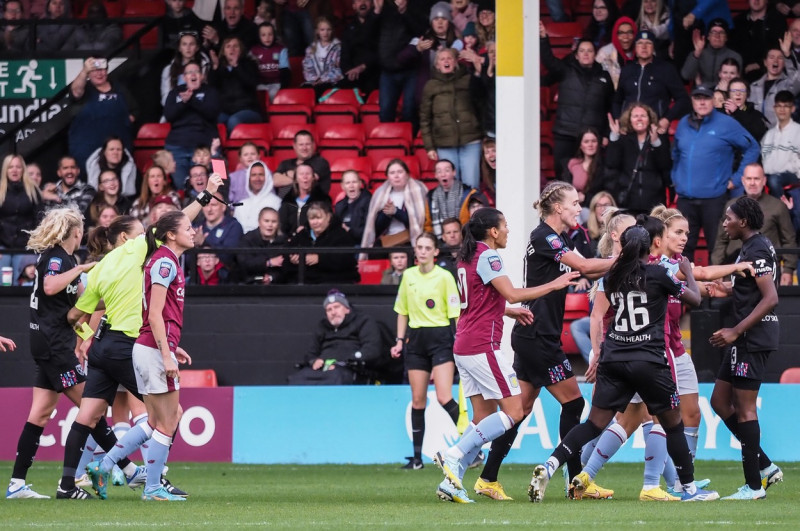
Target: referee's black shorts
618, 381
111, 365
429, 347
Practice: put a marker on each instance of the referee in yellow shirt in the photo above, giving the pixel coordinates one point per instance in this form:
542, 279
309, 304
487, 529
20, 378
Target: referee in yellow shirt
427, 300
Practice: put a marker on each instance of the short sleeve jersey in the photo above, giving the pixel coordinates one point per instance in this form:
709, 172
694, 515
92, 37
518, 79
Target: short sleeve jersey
746, 295
480, 327
117, 280
637, 330
162, 269
542, 265
672, 327
429, 300
49, 312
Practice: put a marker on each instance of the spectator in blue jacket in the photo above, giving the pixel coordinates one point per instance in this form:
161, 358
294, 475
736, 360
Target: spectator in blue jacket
706, 146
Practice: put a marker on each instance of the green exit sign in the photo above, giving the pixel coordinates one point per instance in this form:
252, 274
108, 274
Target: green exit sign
33, 78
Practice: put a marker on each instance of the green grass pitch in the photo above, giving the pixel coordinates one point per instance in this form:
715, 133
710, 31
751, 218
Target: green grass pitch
364, 497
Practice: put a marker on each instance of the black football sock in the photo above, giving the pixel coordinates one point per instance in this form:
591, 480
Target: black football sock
750, 434
76, 439
417, 430
570, 446
452, 410
678, 450
571, 417
733, 425
26, 449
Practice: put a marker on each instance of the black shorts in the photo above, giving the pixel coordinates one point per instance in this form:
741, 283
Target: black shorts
618, 381
428, 347
58, 372
109, 367
540, 361
742, 368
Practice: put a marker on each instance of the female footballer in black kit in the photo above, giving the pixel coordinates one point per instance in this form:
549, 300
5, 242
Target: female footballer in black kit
634, 361
749, 344
56, 288
538, 358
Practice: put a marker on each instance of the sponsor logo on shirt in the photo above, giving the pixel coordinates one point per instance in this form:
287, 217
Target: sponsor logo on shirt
165, 269
430, 303
495, 263
554, 241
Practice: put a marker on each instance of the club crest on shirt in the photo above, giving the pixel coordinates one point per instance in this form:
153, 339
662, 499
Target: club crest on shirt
54, 264
165, 269
495, 263
430, 303
554, 241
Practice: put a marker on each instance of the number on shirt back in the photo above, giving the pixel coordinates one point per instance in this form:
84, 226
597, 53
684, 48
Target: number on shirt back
631, 313
461, 282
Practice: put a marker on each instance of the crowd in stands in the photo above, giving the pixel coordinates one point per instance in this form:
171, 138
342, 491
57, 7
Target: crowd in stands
669, 103
222, 64
656, 103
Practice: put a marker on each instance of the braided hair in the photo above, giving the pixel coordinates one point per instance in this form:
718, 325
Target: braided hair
749, 210
553, 193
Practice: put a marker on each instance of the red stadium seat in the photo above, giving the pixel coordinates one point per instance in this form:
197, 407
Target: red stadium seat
562, 35
576, 306
337, 107
149, 139
143, 9
372, 270
291, 106
198, 378
114, 8
791, 376
371, 106
363, 165
258, 134
152, 134
341, 140
388, 140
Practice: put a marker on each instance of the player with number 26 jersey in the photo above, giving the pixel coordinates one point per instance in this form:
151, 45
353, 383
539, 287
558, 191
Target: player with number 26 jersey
637, 329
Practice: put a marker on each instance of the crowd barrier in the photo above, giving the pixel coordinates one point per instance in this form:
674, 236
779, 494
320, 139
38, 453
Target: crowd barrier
368, 425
